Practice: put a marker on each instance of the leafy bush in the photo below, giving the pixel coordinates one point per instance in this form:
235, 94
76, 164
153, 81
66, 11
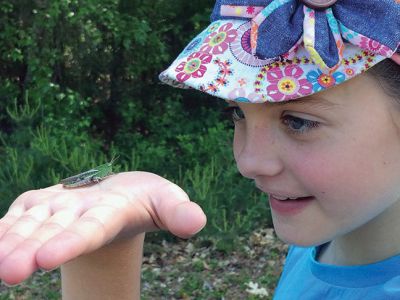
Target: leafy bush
79, 83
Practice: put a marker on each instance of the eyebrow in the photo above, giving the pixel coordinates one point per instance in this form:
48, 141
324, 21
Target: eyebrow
314, 101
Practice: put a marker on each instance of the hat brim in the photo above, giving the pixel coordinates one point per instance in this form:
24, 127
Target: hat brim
219, 62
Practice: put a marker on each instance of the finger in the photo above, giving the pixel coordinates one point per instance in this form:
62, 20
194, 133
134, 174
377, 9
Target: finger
21, 262
38, 197
22, 228
13, 214
167, 204
57, 202
22, 204
92, 230
179, 215
67, 200
187, 219
16, 209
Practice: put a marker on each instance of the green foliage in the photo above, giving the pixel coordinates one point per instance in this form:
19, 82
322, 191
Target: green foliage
79, 84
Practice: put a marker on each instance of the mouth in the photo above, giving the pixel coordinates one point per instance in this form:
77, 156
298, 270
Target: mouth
289, 206
287, 198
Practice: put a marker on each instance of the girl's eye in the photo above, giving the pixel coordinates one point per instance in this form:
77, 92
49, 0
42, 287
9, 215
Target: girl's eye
298, 125
235, 113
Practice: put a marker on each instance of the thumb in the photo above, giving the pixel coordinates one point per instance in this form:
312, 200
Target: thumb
177, 213
187, 219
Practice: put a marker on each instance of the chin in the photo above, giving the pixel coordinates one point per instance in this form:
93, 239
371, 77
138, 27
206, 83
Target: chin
300, 240
303, 243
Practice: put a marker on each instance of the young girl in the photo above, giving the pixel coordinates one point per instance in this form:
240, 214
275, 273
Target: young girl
313, 130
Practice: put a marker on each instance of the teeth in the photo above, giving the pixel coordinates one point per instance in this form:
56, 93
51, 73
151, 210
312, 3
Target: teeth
286, 198
282, 198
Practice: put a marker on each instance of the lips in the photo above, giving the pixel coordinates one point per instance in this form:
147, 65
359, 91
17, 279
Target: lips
289, 207
282, 195
286, 198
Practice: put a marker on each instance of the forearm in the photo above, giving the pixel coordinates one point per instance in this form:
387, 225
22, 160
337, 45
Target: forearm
112, 272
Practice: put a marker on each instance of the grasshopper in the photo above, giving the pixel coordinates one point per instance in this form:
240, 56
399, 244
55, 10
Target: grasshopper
91, 176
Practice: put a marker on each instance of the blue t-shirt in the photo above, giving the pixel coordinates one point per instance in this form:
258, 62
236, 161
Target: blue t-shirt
304, 278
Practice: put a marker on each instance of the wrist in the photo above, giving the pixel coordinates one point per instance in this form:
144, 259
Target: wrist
111, 272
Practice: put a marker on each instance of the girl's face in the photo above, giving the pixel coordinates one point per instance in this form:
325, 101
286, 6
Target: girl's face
339, 148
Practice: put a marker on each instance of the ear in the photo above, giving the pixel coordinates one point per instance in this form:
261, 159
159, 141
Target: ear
396, 58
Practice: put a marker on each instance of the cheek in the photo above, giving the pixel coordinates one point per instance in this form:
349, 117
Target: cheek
349, 183
329, 178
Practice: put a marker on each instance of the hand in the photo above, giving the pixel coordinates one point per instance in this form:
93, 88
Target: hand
49, 227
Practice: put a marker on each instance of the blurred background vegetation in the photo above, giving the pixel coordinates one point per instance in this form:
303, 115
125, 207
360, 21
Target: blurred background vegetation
79, 83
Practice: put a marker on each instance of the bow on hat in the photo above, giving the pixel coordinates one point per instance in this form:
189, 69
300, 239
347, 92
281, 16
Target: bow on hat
279, 27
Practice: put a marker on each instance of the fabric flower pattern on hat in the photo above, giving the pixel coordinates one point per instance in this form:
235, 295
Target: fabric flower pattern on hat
218, 41
194, 67
375, 46
321, 81
283, 50
287, 83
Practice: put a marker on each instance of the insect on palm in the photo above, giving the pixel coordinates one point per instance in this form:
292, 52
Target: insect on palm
89, 177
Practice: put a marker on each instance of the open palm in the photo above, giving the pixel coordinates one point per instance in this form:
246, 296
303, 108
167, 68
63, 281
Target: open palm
49, 227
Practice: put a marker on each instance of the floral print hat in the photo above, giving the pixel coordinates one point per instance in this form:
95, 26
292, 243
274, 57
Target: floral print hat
278, 50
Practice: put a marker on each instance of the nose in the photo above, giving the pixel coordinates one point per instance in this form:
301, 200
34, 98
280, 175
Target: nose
257, 153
